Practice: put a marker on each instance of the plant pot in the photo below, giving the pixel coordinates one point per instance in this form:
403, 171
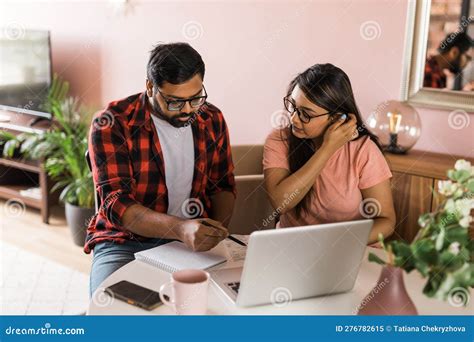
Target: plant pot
77, 219
389, 296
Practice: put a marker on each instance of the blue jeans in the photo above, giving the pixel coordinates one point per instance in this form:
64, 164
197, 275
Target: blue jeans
110, 256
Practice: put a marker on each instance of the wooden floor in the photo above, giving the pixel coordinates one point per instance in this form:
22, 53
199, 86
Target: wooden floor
25, 230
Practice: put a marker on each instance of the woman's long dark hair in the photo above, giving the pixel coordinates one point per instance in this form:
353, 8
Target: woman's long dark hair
328, 87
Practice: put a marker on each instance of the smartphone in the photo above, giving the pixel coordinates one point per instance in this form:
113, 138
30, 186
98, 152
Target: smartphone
134, 294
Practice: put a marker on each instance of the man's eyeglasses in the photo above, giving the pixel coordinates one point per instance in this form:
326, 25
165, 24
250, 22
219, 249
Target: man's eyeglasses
178, 104
302, 115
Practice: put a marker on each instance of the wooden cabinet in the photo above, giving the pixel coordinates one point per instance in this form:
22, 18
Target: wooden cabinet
19, 174
412, 196
414, 185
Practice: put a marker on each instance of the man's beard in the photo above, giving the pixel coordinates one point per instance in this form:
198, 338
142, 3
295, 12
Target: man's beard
173, 121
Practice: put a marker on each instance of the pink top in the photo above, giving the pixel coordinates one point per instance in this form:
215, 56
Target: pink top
357, 165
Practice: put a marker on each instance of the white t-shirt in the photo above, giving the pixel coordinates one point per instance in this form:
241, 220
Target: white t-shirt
177, 146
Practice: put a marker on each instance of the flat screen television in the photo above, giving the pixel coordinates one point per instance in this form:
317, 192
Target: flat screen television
25, 70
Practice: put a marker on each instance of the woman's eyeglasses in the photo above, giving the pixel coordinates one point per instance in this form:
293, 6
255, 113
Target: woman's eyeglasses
178, 104
302, 115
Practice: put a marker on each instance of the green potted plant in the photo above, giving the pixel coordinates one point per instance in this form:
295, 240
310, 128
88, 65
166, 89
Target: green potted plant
63, 150
8, 148
442, 252
68, 166
17, 146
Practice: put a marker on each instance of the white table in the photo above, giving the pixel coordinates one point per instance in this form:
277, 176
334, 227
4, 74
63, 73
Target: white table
218, 304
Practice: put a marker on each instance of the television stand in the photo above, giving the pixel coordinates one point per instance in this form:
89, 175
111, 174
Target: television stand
20, 175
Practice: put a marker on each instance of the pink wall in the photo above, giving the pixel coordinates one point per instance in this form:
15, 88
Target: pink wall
251, 50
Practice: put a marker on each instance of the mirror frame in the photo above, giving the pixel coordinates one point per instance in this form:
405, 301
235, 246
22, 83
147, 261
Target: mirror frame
412, 91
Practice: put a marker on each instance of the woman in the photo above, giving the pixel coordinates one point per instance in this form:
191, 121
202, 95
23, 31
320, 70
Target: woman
327, 167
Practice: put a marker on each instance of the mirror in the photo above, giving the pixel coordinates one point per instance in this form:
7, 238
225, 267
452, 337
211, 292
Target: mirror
449, 54
438, 68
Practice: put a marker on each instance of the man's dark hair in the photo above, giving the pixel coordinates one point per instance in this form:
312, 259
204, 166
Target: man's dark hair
174, 63
461, 40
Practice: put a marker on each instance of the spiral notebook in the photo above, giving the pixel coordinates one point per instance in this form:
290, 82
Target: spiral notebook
175, 256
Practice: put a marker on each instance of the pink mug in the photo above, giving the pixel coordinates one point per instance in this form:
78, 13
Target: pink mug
188, 292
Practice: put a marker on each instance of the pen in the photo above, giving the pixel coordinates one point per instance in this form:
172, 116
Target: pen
230, 237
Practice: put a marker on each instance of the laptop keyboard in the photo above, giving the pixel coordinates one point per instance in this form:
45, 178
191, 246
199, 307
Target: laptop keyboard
234, 286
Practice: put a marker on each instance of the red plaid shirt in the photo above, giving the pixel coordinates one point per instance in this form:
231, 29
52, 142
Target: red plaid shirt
434, 75
128, 168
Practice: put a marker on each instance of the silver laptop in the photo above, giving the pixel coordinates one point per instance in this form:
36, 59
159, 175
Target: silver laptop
291, 263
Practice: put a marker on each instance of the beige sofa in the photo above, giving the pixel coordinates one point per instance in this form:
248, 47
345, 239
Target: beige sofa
252, 210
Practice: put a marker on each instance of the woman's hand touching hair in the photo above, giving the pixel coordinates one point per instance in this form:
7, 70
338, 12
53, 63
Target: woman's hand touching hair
340, 132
